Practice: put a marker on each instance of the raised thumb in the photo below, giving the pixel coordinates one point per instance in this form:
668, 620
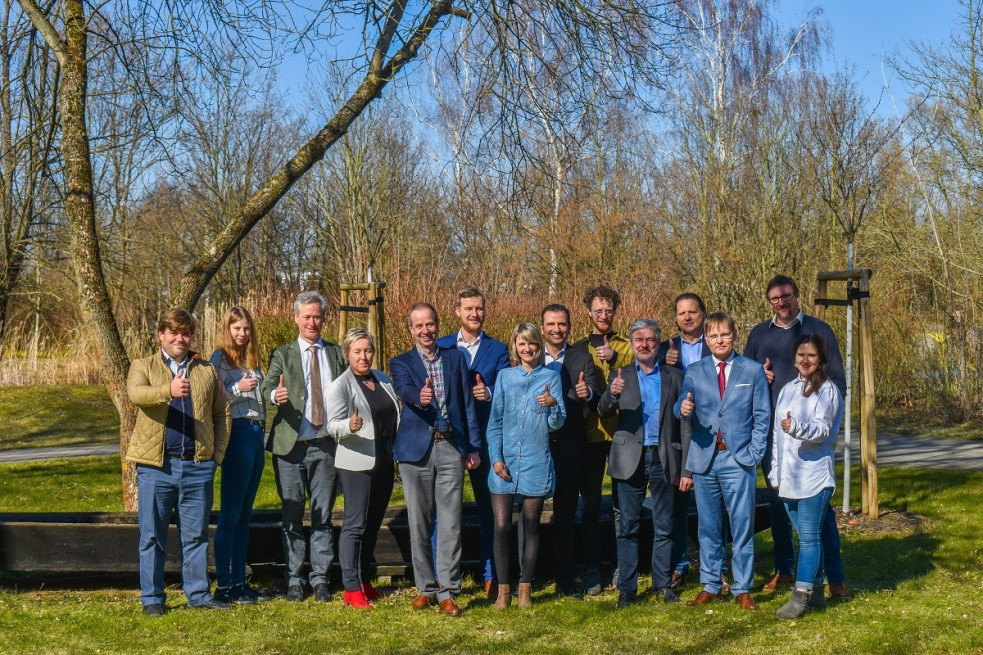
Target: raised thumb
689, 397
281, 379
619, 374
606, 340
426, 385
182, 373
356, 412
477, 378
767, 363
788, 415
581, 376
546, 388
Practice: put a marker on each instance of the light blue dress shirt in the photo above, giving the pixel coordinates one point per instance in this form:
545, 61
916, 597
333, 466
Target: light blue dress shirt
650, 386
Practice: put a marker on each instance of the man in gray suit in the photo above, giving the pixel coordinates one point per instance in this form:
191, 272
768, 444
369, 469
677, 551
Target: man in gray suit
303, 454
647, 450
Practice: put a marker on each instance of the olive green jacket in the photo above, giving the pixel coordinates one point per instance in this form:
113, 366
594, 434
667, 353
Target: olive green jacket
601, 428
149, 386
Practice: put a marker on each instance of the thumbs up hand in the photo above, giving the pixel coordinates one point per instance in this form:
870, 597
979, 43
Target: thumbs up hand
181, 385
787, 423
426, 394
617, 384
280, 394
686, 407
546, 399
480, 390
581, 389
248, 382
605, 351
770, 374
355, 422
672, 355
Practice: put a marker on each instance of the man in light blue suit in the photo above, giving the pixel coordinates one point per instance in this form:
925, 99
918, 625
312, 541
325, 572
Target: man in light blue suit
485, 356
726, 398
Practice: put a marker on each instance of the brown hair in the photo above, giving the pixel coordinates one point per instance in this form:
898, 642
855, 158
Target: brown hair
819, 376
177, 319
247, 357
604, 293
470, 292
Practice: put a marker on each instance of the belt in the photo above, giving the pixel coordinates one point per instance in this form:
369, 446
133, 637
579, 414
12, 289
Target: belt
254, 421
721, 445
655, 447
183, 458
439, 436
313, 442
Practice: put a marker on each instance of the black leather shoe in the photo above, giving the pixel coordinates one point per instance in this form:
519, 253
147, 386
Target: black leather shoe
154, 610
213, 604
295, 593
321, 592
668, 596
568, 590
624, 600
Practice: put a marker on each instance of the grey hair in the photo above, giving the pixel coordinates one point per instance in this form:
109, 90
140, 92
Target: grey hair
309, 298
645, 324
353, 335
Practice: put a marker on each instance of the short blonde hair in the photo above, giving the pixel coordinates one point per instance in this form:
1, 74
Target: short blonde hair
353, 335
530, 333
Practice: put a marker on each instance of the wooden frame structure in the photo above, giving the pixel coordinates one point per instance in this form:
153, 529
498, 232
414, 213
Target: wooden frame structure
376, 315
868, 421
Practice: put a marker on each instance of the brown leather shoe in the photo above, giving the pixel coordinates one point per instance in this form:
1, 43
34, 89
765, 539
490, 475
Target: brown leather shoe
779, 580
724, 585
745, 601
838, 591
677, 580
423, 601
705, 598
449, 608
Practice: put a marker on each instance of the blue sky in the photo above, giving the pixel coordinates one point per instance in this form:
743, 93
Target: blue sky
864, 32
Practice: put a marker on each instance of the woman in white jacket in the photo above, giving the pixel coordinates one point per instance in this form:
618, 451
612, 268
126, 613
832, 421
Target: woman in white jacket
362, 415
806, 419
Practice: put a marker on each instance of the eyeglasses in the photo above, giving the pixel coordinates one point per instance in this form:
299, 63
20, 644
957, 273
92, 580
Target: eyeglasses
602, 312
726, 336
788, 297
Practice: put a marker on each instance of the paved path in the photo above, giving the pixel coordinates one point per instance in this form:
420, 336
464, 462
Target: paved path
892, 450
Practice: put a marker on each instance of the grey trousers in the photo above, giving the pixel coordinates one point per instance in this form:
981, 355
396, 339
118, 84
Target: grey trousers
307, 471
435, 485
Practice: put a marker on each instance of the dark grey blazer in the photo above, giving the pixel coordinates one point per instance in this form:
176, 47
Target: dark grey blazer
571, 439
626, 444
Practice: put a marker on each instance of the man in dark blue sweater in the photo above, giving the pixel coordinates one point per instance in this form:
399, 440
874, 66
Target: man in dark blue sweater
770, 343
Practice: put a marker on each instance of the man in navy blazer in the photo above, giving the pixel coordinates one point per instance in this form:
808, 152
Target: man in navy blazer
681, 351
485, 357
582, 387
437, 438
726, 398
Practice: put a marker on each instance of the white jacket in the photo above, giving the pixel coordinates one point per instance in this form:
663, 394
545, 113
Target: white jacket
802, 462
356, 450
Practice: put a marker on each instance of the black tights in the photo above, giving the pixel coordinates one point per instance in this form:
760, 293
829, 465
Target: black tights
532, 510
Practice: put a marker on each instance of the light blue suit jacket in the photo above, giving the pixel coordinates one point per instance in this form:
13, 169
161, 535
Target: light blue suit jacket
743, 414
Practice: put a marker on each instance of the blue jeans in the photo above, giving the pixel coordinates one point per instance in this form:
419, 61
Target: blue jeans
807, 517
189, 488
242, 469
631, 495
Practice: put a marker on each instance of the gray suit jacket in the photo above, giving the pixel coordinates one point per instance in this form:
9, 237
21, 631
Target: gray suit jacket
626, 445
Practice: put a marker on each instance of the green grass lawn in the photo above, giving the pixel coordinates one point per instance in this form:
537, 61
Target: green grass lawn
916, 575
42, 416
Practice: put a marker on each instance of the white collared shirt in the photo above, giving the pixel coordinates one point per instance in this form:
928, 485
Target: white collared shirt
307, 431
549, 359
730, 365
471, 347
797, 319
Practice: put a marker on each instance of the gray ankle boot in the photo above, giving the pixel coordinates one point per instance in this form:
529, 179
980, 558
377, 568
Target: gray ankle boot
796, 606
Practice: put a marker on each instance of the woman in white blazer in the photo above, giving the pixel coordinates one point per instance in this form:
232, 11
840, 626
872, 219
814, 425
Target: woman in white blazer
362, 415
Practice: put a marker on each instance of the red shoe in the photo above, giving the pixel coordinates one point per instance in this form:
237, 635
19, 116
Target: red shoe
357, 600
370, 593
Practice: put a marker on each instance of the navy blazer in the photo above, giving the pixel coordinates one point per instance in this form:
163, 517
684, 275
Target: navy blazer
492, 357
677, 343
743, 415
571, 439
415, 431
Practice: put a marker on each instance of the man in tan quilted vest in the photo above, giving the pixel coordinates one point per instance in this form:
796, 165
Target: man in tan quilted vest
181, 432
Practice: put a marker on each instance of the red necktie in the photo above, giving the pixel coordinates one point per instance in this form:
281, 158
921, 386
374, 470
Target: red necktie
722, 383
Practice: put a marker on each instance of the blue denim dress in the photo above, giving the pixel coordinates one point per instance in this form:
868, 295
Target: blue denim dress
518, 431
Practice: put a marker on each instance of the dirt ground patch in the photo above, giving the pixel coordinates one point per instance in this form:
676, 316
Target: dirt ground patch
890, 520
